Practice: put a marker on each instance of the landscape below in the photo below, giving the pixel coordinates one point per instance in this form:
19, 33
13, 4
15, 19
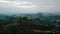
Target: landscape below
30, 24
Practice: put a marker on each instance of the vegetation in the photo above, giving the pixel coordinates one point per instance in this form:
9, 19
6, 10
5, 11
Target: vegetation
26, 25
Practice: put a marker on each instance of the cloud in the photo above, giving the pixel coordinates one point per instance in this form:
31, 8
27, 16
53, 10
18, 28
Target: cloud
29, 6
16, 4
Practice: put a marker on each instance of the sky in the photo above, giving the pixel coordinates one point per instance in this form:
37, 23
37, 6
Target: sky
29, 6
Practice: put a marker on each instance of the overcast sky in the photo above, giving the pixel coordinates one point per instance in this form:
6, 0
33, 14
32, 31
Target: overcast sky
29, 6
